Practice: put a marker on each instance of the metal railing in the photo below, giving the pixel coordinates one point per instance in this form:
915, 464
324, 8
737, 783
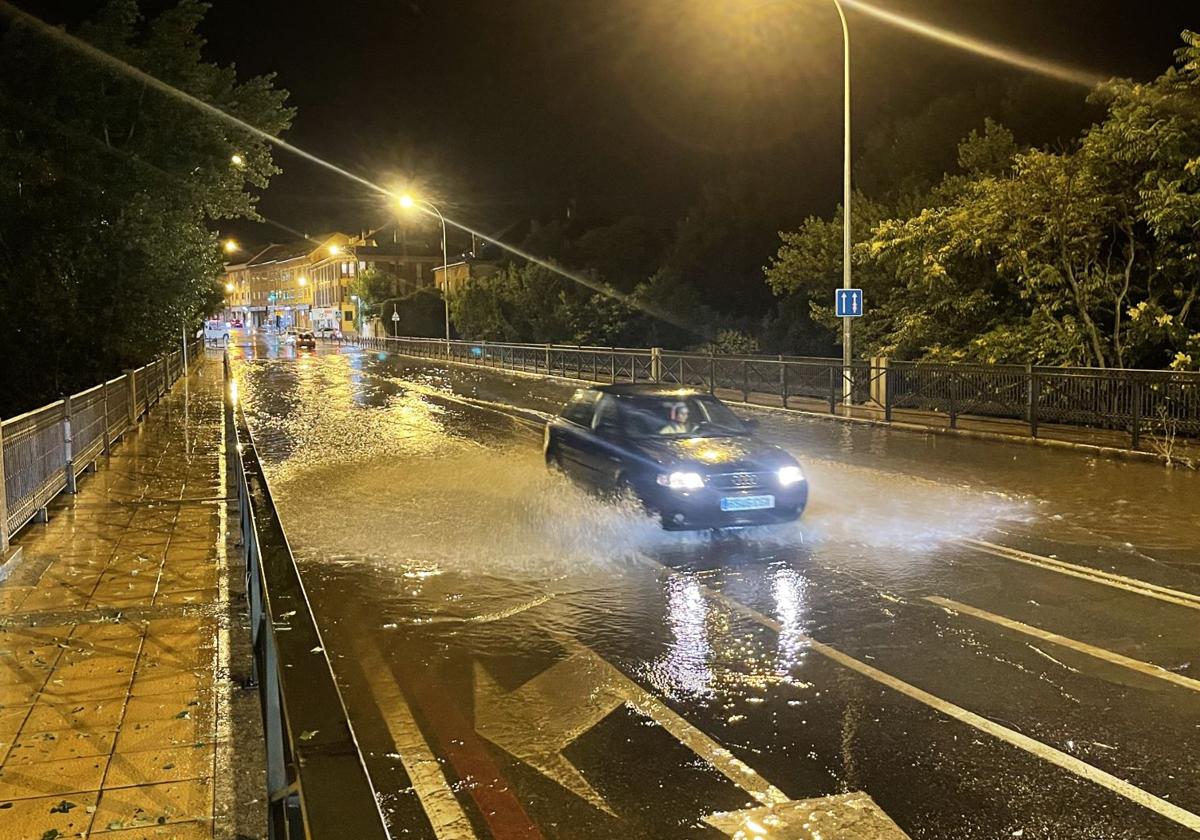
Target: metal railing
1140, 403
43, 451
317, 781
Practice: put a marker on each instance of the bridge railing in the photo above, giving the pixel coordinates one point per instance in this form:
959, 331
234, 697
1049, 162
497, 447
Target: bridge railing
43, 452
317, 781
1157, 404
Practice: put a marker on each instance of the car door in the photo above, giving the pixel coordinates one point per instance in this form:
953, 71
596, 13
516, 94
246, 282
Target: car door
570, 434
604, 455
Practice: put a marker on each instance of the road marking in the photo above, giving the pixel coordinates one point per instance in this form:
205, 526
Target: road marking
537, 721
1043, 751
1138, 587
1138, 665
732, 768
844, 815
424, 770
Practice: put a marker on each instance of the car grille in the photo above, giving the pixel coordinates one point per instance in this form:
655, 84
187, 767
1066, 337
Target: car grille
737, 481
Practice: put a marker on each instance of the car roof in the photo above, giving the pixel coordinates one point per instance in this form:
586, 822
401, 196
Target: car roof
648, 389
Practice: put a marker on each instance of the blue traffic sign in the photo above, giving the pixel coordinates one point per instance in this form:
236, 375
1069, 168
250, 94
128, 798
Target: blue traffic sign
848, 303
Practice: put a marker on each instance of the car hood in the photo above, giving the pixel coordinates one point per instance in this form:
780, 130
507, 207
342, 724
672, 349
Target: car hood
714, 454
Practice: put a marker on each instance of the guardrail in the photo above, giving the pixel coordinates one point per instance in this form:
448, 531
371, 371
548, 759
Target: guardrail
1140, 403
317, 781
43, 452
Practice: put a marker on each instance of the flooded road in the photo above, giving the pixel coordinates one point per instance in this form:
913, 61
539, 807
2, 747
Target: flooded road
958, 640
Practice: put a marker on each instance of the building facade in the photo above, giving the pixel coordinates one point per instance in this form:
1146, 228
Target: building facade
307, 285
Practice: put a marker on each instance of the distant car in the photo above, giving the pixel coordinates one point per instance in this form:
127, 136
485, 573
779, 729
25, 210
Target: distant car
216, 332
306, 340
237, 325
683, 453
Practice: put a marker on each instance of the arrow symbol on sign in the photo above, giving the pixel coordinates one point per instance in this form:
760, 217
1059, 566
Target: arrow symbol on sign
537, 721
854, 304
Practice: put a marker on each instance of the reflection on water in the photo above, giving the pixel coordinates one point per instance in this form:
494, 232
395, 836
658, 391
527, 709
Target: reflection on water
788, 587
684, 668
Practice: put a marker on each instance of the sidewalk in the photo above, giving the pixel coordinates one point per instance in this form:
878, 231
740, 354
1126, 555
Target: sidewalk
117, 708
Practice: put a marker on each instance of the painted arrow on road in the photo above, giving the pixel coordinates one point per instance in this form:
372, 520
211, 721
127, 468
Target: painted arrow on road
850, 816
537, 721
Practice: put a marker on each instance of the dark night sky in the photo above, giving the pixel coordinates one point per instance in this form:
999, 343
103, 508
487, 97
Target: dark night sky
503, 109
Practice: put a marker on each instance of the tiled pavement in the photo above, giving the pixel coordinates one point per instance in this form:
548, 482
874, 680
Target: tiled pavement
114, 643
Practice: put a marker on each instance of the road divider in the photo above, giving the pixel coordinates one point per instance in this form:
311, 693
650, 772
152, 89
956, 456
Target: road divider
1141, 667
1138, 587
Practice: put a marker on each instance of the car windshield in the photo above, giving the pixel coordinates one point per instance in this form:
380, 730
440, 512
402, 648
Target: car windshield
690, 415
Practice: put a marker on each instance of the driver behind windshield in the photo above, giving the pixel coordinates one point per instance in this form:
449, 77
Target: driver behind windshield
677, 421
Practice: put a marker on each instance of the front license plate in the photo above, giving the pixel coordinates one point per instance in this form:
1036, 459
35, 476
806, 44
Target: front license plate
747, 503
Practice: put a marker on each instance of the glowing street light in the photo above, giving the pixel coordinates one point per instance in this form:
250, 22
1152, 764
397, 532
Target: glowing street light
408, 203
237, 160
229, 287
230, 246
303, 281
335, 249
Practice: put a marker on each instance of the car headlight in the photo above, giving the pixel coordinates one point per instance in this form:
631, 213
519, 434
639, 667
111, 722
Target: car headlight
790, 475
682, 480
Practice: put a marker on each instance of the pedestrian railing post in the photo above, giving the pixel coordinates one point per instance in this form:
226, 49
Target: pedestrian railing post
887, 393
1135, 429
712, 372
745, 381
107, 447
68, 442
656, 364
1035, 397
953, 400
3, 499
131, 381
783, 381
547, 359
835, 374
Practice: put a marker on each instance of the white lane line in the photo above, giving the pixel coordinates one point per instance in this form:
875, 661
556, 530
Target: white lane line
424, 770
1138, 665
734, 769
1036, 748
1138, 587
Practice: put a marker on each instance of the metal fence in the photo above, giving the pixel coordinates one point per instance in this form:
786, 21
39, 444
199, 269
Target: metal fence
43, 451
1140, 403
317, 782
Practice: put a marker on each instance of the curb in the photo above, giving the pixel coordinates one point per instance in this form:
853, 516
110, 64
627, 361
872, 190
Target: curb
9, 559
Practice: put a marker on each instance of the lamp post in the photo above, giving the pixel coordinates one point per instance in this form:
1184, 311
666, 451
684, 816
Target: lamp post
846, 281
407, 201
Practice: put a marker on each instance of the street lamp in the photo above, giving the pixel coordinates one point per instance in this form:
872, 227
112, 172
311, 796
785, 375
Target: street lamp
230, 246
846, 385
236, 160
408, 202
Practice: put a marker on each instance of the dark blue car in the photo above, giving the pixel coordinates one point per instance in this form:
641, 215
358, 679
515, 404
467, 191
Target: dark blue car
688, 458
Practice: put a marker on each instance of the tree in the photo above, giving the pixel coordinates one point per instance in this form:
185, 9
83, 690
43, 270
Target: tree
422, 314
107, 189
1084, 255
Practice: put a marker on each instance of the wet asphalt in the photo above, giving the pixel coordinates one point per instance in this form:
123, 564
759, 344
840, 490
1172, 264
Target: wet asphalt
505, 619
